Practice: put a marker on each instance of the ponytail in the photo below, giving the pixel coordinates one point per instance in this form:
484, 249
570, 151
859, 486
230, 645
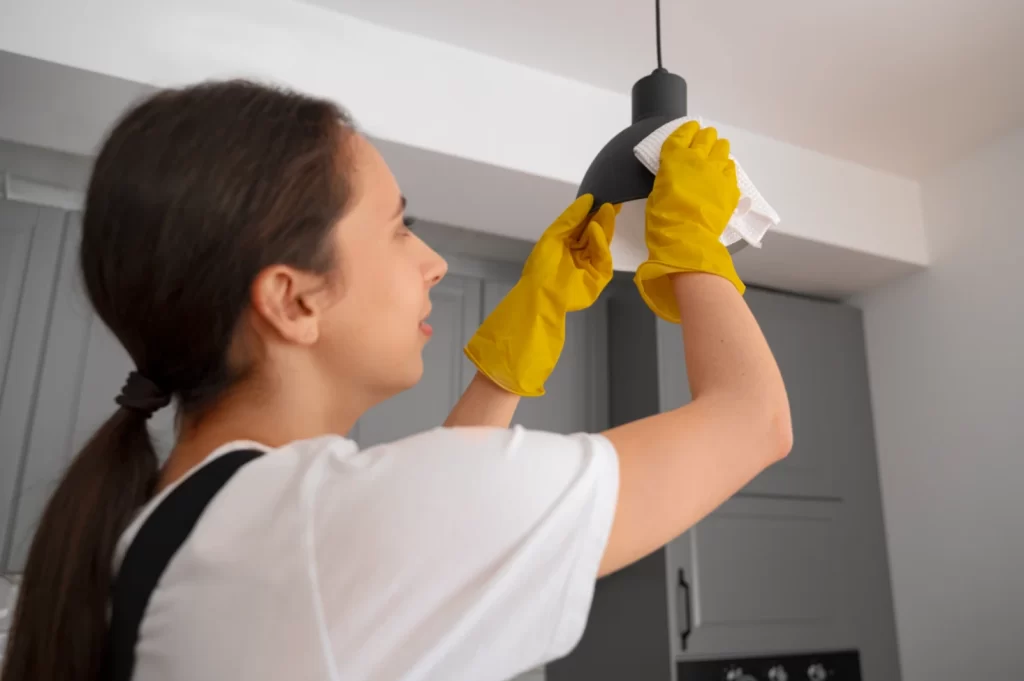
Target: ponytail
58, 632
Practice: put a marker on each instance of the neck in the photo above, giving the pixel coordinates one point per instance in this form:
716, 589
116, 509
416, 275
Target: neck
270, 417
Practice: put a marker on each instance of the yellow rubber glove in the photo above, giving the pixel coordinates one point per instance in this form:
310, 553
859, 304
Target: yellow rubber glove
519, 343
694, 195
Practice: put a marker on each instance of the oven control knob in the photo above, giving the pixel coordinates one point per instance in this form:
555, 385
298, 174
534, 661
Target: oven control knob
816, 672
736, 674
778, 673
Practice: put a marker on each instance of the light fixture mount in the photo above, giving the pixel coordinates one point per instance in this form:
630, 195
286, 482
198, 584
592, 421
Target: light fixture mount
662, 93
616, 176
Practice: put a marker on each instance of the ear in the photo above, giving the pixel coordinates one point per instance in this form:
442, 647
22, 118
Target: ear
291, 302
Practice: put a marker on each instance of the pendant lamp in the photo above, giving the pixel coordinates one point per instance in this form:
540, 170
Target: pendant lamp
616, 176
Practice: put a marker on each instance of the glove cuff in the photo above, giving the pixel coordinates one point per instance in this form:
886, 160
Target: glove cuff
501, 375
520, 341
655, 287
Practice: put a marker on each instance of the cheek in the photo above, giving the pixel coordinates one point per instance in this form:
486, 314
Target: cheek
391, 286
371, 335
382, 301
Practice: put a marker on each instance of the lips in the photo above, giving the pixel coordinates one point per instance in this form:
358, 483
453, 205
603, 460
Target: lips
425, 328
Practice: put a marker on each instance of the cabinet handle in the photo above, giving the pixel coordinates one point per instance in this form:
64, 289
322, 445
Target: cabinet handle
684, 586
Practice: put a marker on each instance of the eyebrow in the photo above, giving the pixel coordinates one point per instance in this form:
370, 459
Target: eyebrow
401, 206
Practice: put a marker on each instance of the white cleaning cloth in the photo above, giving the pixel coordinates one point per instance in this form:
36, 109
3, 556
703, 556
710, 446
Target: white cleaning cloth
753, 217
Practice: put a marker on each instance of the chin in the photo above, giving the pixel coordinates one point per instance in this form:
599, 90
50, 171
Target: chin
417, 375
412, 374
399, 373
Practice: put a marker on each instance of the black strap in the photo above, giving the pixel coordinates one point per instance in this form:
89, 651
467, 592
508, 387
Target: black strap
160, 537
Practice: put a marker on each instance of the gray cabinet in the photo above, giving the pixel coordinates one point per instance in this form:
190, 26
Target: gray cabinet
31, 240
770, 574
796, 561
758, 575
820, 349
43, 447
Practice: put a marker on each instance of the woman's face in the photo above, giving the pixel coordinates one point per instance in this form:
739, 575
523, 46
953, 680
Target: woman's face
372, 336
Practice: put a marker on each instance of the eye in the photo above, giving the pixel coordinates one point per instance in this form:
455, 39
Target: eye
403, 230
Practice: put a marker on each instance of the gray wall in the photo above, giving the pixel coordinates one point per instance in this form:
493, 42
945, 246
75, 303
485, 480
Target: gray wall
946, 363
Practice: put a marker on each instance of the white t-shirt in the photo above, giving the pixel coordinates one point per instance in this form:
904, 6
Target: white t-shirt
454, 554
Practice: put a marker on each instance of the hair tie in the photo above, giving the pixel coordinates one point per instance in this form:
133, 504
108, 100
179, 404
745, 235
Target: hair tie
142, 395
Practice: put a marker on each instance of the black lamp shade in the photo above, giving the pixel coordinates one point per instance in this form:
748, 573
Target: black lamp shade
615, 175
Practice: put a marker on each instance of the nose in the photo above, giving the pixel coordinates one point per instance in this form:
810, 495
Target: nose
436, 267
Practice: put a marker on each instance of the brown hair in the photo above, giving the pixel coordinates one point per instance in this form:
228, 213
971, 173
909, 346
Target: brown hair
194, 192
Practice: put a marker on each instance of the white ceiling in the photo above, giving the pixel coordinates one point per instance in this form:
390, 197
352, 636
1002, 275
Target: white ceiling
903, 86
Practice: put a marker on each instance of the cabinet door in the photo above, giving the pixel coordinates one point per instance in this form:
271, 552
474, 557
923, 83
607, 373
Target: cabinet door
820, 350
758, 575
576, 393
819, 347
31, 239
17, 221
446, 371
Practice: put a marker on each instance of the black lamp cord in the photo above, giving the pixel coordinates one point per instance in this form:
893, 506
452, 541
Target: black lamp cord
657, 28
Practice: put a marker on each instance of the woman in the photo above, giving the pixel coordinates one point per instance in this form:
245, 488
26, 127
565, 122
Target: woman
248, 248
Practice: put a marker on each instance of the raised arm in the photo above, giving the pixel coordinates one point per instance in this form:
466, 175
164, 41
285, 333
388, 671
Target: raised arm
678, 466
485, 403
518, 345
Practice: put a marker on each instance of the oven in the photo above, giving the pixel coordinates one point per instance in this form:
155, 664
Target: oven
823, 666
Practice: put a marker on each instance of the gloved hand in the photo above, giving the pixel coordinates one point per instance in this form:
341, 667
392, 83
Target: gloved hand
694, 195
519, 343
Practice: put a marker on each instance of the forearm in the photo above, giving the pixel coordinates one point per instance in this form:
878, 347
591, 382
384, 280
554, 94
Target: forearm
484, 404
727, 357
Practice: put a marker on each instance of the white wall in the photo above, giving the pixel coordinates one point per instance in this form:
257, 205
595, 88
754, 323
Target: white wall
946, 359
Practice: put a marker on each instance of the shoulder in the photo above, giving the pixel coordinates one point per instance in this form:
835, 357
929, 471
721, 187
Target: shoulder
477, 479
470, 466
481, 452
465, 468
490, 442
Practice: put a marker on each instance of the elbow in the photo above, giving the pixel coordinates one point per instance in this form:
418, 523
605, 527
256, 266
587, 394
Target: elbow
780, 432
768, 435
782, 437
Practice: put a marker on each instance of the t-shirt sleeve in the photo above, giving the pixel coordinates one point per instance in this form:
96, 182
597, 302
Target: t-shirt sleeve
473, 551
